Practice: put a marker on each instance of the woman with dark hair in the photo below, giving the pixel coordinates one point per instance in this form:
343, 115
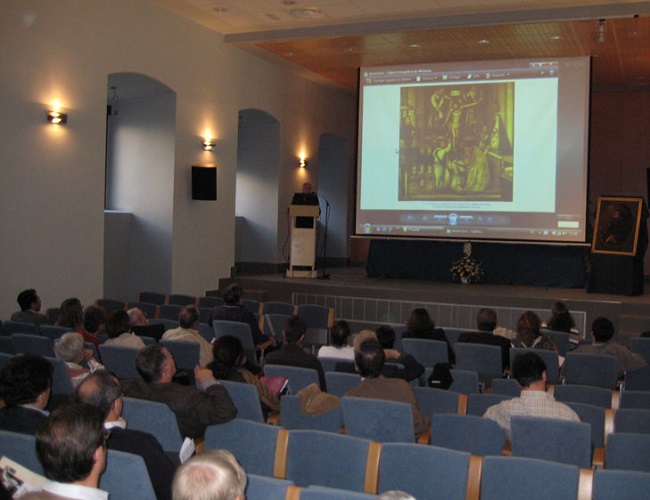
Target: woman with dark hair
561, 319
71, 314
338, 348
529, 335
118, 328
419, 325
228, 364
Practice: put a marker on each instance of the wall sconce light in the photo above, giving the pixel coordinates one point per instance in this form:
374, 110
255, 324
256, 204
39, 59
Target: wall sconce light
302, 163
208, 144
57, 118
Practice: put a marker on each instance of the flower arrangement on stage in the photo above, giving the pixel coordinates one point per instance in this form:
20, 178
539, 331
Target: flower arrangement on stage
467, 269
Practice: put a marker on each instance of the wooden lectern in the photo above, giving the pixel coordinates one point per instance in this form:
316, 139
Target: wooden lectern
302, 262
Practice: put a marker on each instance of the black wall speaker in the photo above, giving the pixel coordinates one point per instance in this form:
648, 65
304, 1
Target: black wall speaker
204, 183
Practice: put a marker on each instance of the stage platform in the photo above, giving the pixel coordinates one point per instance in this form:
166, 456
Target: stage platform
368, 302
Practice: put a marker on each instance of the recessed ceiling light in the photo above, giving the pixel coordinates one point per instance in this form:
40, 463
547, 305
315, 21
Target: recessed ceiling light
307, 13
415, 45
484, 41
555, 37
220, 10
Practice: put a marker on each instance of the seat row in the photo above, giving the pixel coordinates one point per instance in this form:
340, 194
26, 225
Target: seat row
579, 368
161, 301
285, 464
388, 421
342, 461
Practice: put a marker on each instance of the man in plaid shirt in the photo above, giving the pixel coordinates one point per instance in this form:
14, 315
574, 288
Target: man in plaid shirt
530, 372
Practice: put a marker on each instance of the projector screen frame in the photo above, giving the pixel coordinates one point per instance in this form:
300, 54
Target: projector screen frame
449, 225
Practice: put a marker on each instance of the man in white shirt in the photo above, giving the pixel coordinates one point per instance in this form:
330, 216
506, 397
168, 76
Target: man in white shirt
530, 372
72, 450
188, 321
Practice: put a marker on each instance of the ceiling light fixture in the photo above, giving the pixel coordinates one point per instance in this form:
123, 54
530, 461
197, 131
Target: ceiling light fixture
307, 13
483, 41
600, 30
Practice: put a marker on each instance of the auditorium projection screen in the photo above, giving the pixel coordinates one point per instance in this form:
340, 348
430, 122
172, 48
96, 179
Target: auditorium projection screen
488, 150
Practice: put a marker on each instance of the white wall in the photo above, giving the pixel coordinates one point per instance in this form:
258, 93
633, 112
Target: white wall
335, 187
52, 178
140, 181
258, 169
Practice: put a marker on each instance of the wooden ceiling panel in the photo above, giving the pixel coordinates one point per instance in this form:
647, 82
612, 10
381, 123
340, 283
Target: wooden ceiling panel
622, 60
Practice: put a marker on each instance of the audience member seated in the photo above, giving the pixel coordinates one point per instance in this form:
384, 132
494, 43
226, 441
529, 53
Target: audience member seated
561, 319
188, 321
530, 372
71, 314
228, 364
119, 331
140, 325
234, 310
94, 322
102, 390
529, 335
419, 325
71, 348
214, 475
195, 409
486, 322
71, 447
369, 361
412, 369
30, 305
292, 353
602, 334
25, 383
339, 347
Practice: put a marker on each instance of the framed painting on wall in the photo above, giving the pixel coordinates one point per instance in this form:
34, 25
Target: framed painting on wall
618, 220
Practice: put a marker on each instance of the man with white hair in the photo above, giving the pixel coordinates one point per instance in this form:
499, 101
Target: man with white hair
213, 475
71, 348
140, 324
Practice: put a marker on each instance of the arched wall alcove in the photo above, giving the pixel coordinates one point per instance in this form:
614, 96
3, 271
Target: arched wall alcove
140, 145
257, 189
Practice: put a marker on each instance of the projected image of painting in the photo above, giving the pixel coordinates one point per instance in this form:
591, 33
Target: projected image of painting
456, 142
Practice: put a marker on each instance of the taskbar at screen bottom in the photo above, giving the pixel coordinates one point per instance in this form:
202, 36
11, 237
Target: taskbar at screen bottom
511, 233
